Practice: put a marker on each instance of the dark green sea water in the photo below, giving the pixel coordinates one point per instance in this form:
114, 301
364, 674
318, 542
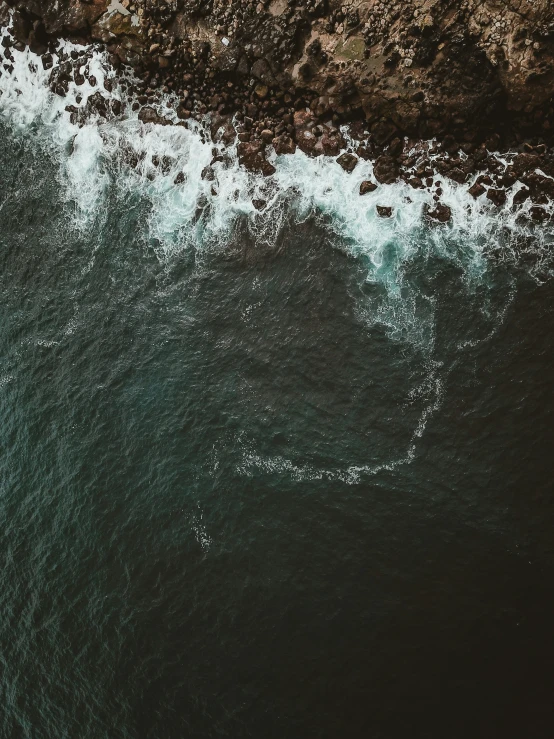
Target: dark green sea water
234, 503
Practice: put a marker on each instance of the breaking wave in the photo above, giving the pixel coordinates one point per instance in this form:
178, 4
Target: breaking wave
164, 166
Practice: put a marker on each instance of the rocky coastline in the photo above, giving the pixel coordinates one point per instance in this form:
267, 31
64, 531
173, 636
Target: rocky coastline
425, 87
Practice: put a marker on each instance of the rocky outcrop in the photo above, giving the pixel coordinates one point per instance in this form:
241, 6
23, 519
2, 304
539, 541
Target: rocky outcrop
62, 16
419, 67
476, 75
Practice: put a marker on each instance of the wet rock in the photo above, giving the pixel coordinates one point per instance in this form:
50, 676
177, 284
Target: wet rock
484, 179
68, 16
284, 145
539, 185
208, 174
367, 187
329, 144
496, 196
149, 115
348, 162
252, 157
524, 163
441, 213
384, 211
259, 204
117, 25
477, 190
521, 196
457, 175
386, 170
538, 214
267, 136
47, 61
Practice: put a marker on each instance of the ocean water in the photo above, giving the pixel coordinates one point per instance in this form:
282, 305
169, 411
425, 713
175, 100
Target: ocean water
264, 474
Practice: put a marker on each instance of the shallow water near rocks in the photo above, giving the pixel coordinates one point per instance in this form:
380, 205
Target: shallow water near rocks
285, 475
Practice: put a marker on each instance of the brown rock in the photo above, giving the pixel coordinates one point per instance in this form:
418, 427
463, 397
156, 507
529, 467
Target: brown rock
524, 163
539, 184
367, 187
457, 175
477, 190
261, 91
538, 214
252, 157
442, 213
267, 136
303, 124
111, 26
149, 115
386, 170
498, 197
348, 162
330, 144
384, 211
66, 15
521, 196
284, 145
208, 174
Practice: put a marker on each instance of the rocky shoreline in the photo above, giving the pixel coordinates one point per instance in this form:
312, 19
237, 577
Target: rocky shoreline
473, 78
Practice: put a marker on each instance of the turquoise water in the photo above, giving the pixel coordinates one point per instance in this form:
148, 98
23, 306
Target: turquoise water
266, 480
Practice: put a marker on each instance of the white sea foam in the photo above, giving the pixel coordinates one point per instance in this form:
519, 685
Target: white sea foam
148, 160
431, 391
197, 210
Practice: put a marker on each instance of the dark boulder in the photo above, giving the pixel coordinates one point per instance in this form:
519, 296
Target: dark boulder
386, 170
457, 175
524, 163
252, 158
149, 115
442, 213
538, 214
477, 190
208, 174
367, 186
521, 196
284, 145
329, 144
348, 162
384, 211
498, 197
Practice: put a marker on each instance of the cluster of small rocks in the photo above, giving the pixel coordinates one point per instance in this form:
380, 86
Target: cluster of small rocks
477, 77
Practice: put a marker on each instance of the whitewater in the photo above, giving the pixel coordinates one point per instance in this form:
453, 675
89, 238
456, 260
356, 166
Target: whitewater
164, 165
271, 473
